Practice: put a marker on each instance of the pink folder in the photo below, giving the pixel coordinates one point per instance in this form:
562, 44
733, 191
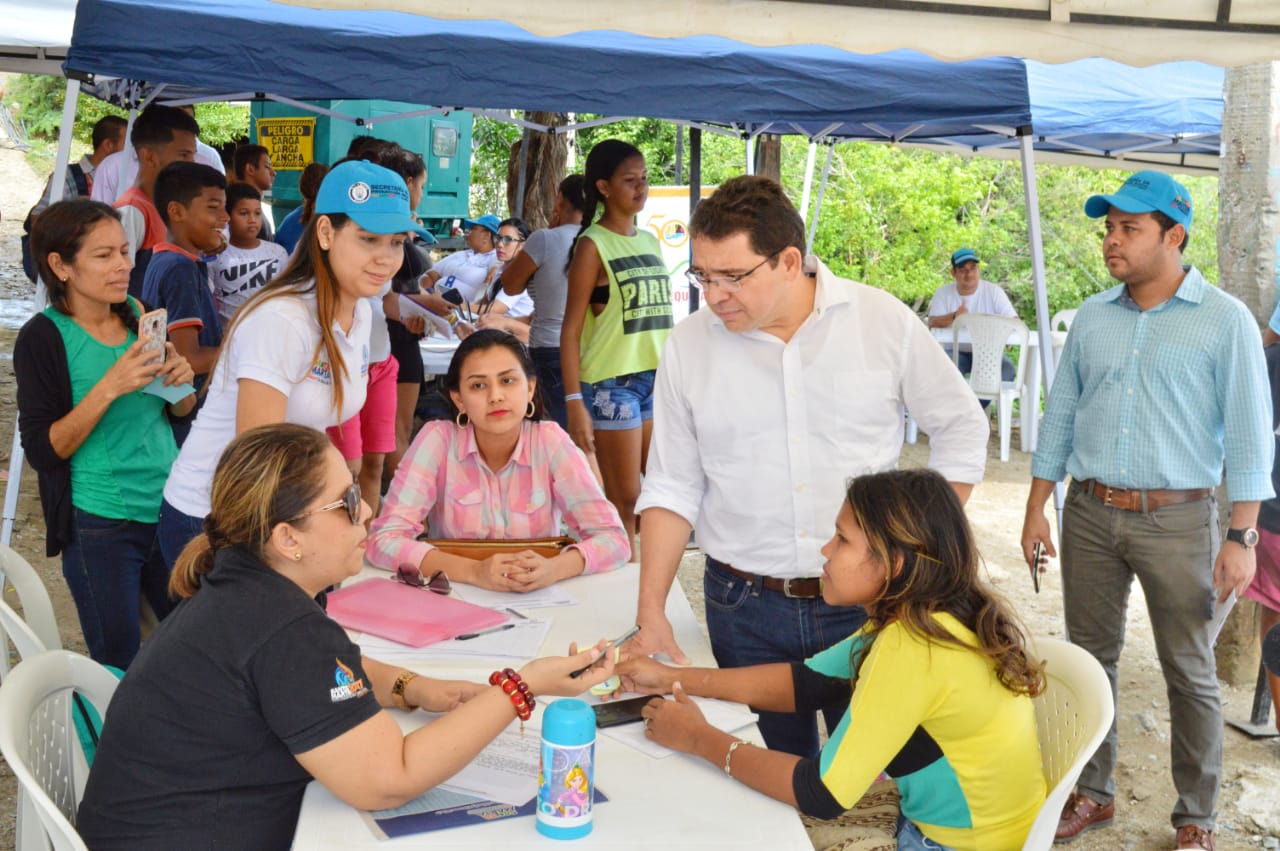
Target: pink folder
411, 616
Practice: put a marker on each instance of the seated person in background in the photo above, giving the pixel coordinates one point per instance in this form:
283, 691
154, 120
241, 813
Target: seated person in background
290, 229
248, 690
161, 135
192, 200
251, 164
968, 293
939, 682
510, 313
248, 262
497, 472
469, 272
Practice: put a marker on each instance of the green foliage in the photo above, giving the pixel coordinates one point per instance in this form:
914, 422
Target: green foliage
491, 142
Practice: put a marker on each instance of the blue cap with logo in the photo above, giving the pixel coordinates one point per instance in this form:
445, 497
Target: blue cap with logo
374, 197
962, 256
1145, 192
488, 221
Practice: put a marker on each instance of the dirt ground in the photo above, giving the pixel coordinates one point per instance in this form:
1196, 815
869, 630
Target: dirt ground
1250, 801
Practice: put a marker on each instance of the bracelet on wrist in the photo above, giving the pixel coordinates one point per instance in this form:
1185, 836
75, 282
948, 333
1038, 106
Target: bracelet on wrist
569, 397
453, 318
728, 757
397, 691
517, 690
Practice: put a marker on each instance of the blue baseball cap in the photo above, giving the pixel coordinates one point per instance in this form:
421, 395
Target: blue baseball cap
374, 197
488, 221
1145, 192
962, 256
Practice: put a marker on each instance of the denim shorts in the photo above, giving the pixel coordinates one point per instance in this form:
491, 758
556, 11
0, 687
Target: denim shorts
618, 404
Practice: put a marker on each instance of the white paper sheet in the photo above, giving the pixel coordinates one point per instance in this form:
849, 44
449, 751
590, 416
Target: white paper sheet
506, 771
719, 714
543, 598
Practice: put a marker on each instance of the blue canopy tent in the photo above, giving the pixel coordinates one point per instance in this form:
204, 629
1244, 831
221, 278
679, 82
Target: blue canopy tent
184, 52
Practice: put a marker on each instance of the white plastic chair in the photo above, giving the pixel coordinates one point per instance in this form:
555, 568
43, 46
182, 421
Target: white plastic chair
38, 739
989, 335
37, 610
1063, 318
1073, 715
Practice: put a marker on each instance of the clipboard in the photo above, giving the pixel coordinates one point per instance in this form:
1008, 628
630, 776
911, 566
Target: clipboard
411, 616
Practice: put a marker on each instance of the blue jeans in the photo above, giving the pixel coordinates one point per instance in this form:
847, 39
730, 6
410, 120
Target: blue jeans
751, 626
108, 564
546, 363
911, 839
176, 531
620, 403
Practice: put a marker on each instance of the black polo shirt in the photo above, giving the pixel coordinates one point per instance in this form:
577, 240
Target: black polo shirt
198, 746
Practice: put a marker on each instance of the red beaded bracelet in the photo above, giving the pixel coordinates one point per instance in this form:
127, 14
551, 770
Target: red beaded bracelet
517, 690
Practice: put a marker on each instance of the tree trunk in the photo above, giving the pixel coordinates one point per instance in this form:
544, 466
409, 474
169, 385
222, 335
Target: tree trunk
769, 156
1248, 234
544, 169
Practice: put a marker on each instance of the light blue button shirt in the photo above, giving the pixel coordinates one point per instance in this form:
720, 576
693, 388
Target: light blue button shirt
1161, 398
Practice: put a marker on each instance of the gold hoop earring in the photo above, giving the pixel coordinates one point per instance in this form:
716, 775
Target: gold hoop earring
528, 415
462, 419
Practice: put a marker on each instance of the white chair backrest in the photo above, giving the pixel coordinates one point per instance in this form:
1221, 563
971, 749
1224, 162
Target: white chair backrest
37, 610
1073, 715
990, 334
38, 738
1063, 318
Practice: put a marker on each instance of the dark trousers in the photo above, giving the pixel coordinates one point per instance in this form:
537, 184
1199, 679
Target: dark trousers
751, 626
546, 362
109, 564
176, 531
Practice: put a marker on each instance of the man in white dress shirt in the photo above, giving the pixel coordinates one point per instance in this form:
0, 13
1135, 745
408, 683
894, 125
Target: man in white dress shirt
793, 381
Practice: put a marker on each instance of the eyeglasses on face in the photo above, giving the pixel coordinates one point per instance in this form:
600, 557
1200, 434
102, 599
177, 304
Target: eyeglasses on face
728, 283
507, 240
410, 575
350, 501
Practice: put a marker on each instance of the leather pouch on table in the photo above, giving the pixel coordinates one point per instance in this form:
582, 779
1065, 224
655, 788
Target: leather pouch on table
482, 548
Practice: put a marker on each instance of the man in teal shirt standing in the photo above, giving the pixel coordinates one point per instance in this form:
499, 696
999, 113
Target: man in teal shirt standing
1162, 383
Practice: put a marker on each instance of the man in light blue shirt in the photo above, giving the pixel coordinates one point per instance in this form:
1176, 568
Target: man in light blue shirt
1162, 383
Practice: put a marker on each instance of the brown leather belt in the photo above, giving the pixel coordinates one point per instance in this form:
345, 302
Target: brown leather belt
808, 588
1131, 499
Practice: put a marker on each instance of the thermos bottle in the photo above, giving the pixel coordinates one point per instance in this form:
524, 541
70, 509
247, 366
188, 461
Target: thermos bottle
566, 776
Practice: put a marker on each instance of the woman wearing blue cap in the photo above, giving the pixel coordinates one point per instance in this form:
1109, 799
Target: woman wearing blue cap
298, 351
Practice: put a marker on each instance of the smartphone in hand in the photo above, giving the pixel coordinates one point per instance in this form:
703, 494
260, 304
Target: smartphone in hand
618, 712
1037, 554
152, 331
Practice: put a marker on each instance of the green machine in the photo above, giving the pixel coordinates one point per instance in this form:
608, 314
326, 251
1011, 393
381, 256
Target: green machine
296, 137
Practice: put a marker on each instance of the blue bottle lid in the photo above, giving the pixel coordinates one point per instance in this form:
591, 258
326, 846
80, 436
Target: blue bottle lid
568, 722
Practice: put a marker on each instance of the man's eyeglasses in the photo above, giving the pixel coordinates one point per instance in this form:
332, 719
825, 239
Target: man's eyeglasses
507, 240
410, 575
350, 501
728, 283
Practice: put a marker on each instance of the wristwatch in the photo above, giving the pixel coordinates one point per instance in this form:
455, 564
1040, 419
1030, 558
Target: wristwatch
397, 690
1247, 538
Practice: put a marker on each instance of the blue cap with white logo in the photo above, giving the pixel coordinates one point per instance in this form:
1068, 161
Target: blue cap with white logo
1145, 192
488, 221
374, 197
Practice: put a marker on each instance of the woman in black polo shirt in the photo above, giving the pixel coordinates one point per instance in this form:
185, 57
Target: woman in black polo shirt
248, 690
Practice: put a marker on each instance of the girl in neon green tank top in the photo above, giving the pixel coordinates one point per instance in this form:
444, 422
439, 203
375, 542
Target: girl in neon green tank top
617, 316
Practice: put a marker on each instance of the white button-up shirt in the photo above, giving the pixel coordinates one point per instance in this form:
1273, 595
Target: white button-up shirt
754, 439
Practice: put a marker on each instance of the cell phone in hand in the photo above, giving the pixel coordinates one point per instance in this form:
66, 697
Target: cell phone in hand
152, 330
1037, 552
618, 712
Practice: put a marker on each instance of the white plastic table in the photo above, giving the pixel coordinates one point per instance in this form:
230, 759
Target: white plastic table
436, 354
675, 802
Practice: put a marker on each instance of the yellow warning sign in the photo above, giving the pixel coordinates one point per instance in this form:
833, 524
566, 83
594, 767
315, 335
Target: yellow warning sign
290, 141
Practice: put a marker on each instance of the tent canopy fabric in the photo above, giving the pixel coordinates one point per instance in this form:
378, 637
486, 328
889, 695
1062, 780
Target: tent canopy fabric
1136, 32
1093, 107
35, 36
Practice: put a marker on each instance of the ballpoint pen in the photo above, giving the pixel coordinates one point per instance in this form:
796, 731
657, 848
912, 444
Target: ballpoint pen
489, 631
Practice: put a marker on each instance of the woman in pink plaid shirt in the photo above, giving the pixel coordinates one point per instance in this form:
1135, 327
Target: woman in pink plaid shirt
496, 472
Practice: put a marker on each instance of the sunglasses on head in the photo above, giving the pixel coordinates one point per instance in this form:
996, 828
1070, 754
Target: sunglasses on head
411, 575
350, 501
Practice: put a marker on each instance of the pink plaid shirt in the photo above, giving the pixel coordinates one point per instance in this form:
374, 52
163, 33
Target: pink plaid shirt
444, 481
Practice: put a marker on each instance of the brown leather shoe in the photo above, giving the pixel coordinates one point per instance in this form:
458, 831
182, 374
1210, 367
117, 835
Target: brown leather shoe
1195, 836
1080, 814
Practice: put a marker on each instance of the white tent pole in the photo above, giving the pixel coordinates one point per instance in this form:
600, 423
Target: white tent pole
808, 181
749, 151
14, 484
1041, 293
817, 207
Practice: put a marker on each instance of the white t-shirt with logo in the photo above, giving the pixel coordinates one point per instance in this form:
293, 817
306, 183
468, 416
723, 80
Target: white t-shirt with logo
987, 298
276, 345
238, 273
465, 271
